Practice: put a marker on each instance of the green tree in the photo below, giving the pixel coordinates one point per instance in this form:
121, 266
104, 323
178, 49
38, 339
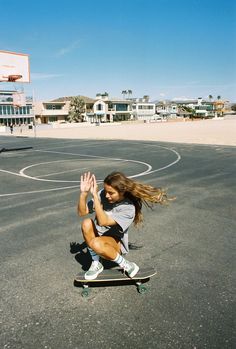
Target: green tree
233, 107
77, 108
218, 97
192, 111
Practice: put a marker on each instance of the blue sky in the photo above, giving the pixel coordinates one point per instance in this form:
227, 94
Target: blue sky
161, 48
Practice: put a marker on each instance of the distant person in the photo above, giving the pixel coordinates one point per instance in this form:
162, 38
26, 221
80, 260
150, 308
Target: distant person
20, 125
116, 207
11, 128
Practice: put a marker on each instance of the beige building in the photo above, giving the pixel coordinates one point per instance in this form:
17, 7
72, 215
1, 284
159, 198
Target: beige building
101, 109
57, 111
106, 109
47, 112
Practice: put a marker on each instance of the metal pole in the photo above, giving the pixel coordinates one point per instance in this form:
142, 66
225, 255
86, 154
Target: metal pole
33, 110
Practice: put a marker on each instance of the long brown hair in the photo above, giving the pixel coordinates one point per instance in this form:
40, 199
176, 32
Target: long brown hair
138, 193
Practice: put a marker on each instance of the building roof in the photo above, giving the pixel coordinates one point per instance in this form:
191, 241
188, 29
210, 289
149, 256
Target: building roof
69, 98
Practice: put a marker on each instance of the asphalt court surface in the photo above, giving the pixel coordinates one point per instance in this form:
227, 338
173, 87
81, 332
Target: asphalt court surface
191, 243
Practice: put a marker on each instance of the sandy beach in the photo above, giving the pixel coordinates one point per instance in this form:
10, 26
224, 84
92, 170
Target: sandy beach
219, 132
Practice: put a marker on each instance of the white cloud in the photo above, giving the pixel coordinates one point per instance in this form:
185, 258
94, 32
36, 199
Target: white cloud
65, 50
44, 76
182, 98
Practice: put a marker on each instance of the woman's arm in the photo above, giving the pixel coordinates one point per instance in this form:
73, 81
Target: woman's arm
102, 218
82, 207
85, 186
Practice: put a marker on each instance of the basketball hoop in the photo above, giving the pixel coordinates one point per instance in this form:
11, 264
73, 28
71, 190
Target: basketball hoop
13, 78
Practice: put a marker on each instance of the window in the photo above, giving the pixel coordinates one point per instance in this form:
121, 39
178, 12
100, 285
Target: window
146, 107
52, 118
4, 110
99, 106
53, 107
121, 107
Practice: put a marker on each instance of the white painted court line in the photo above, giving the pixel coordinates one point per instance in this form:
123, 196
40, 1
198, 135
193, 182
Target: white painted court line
62, 172
10, 172
23, 174
39, 191
148, 171
169, 165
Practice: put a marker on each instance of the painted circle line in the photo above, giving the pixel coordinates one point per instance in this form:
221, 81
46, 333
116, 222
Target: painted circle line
92, 157
23, 174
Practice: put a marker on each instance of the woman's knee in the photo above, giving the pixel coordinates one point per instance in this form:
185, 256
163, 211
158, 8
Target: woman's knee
100, 245
97, 245
87, 225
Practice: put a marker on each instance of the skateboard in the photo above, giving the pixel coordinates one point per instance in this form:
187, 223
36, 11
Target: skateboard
115, 276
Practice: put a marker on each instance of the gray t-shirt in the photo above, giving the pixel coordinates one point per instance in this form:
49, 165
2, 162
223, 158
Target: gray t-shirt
122, 212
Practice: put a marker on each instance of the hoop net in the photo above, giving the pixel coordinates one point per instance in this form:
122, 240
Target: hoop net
19, 99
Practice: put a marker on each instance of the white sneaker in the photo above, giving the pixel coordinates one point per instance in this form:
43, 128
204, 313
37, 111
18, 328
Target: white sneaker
131, 269
95, 269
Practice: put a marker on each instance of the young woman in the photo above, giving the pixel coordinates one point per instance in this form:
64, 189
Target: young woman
116, 207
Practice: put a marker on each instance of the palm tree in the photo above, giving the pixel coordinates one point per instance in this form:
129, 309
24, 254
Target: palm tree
124, 93
129, 93
220, 106
212, 104
210, 97
233, 107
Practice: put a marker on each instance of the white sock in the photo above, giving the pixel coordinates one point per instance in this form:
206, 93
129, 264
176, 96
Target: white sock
95, 257
120, 261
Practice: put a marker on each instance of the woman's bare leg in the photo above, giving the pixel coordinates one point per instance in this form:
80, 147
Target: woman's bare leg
89, 230
105, 246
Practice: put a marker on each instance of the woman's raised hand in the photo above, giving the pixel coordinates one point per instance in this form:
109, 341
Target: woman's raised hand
94, 186
85, 182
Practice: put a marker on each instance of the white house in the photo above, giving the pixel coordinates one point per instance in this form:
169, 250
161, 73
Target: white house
143, 110
107, 109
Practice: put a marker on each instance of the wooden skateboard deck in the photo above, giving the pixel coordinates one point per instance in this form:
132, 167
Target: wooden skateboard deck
116, 275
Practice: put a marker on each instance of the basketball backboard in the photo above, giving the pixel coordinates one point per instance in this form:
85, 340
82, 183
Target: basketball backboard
14, 67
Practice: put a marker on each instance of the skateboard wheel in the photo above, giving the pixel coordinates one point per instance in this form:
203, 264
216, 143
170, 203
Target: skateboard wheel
85, 293
142, 289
